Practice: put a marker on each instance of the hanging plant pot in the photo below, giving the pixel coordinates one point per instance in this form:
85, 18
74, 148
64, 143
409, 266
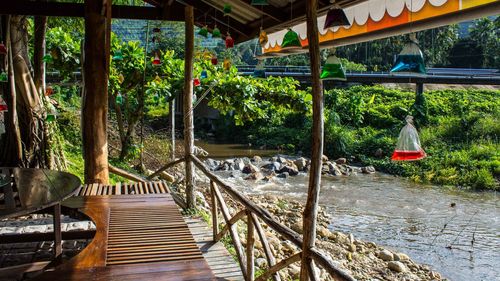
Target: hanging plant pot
214, 60
3, 77
291, 40
196, 82
156, 60
216, 32
204, 74
157, 79
408, 147
3, 49
47, 59
336, 17
333, 69
226, 64
121, 78
203, 31
263, 39
259, 3
51, 113
227, 9
118, 55
49, 91
410, 61
119, 99
3, 105
229, 41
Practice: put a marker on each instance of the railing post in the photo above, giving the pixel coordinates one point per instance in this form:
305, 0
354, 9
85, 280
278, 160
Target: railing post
250, 246
215, 211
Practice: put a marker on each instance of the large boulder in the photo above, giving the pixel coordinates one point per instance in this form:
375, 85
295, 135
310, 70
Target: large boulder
368, 170
324, 158
341, 161
301, 163
273, 166
238, 164
289, 168
257, 159
249, 169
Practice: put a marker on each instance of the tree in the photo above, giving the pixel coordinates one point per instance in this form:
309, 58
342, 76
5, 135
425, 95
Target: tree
485, 33
466, 53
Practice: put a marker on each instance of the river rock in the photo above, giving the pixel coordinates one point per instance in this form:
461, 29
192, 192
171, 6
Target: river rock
386, 255
323, 232
301, 163
396, 266
261, 262
368, 169
257, 159
255, 176
334, 169
281, 159
273, 166
283, 175
401, 257
249, 169
290, 168
341, 161
324, 158
238, 164
297, 226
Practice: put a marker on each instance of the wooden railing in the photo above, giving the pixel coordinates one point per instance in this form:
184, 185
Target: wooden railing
255, 215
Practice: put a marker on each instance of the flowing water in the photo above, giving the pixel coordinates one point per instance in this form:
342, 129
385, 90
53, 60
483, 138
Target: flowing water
456, 233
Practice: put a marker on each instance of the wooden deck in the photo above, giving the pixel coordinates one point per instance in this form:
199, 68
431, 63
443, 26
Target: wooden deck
145, 233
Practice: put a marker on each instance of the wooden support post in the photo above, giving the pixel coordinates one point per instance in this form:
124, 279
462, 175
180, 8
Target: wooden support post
250, 245
188, 105
311, 208
215, 211
95, 91
172, 130
57, 231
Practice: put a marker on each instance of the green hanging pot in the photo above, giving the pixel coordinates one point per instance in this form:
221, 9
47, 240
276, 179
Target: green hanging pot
410, 61
203, 31
227, 8
291, 40
51, 113
216, 32
118, 55
259, 3
47, 59
119, 99
3, 77
333, 70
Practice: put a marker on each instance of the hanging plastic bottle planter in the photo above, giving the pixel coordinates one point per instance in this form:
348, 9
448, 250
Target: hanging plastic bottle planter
3, 77
259, 3
263, 39
226, 64
408, 147
411, 59
51, 113
291, 40
49, 91
216, 32
227, 9
203, 31
214, 60
117, 56
204, 74
3, 105
119, 99
3, 49
156, 60
333, 69
196, 82
157, 79
47, 59
336, 17
229, 41
121, 78
259, 72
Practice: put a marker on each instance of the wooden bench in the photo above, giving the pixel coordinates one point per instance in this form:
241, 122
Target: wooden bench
138, 236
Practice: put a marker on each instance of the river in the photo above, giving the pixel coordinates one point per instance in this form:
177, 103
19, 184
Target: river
455, 232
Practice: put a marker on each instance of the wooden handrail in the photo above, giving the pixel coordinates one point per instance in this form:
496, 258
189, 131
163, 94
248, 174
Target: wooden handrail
166, 166
254, 213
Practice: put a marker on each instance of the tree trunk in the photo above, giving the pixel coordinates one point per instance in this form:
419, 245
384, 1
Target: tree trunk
95, 91
188, 106
311, 208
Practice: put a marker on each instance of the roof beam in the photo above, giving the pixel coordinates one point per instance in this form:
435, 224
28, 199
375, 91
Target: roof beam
59, 9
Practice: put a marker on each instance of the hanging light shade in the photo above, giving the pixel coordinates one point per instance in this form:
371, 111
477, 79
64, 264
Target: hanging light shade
121, 78
157, 79
291, 40
227, 9
226, 64
119, 99
336, 17
47, 58
156, 60
118, 55
3, 49
333, 69
229, 41
196, 82
49, 91
410, 61
3, 105
214, 60
263, 39
259, 71
51, 113
259, 2
3, 77
216, 32
204, 74
203, 31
